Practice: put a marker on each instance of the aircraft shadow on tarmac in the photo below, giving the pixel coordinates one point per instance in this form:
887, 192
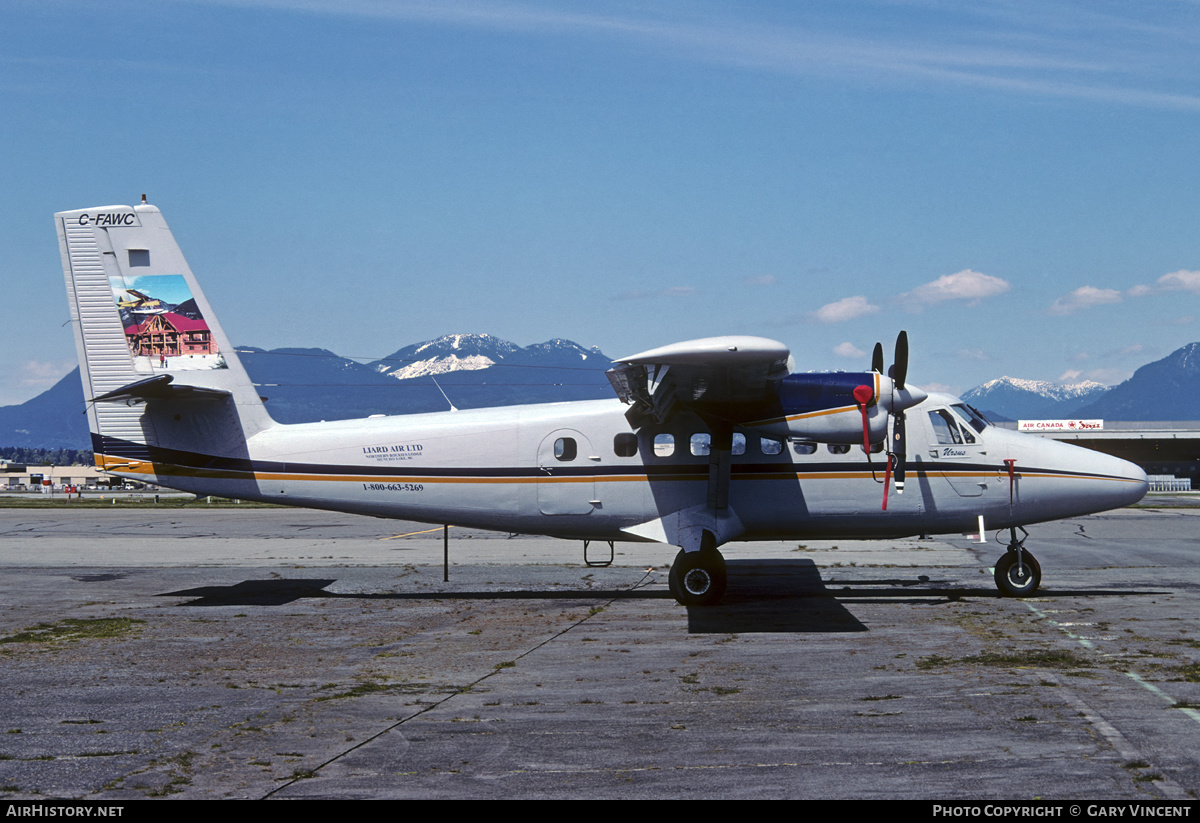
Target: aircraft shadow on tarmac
762, 596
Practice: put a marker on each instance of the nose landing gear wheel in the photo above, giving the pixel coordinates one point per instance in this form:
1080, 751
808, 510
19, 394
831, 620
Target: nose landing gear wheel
1018, 580
697, 578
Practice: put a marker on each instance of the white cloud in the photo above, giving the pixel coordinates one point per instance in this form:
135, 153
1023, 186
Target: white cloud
848, 308
19, 383
1042, 51
1110, 376
849, 350
1182, 280
968, 285
972, 354
1083, 297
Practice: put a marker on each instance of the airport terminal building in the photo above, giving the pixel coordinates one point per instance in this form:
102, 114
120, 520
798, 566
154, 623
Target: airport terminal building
1168, 450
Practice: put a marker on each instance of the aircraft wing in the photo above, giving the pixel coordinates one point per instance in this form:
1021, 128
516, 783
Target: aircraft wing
732, 377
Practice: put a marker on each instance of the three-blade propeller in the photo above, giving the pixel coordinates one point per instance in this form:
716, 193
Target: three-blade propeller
899, 374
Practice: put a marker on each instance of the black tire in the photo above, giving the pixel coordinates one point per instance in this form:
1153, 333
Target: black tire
697, 578
1012, 582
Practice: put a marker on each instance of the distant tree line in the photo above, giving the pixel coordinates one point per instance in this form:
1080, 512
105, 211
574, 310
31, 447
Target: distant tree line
46, 457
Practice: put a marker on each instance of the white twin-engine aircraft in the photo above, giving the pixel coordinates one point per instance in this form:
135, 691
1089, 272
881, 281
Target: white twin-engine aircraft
706, 442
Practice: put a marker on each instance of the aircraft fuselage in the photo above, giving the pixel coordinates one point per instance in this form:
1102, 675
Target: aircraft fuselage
576, 470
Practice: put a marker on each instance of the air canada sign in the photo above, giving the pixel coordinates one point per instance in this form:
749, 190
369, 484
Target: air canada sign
1059, 425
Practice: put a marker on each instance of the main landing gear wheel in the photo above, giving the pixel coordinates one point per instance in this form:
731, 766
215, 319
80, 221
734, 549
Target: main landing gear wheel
1015, 579
697, 578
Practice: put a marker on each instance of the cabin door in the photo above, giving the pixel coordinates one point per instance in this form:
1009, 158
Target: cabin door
958, 455
566, 474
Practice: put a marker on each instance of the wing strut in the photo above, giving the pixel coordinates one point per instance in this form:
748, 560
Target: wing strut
720, 457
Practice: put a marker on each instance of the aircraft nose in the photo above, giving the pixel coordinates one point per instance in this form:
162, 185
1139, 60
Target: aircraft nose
1099, 482
1138, 483
1128, 482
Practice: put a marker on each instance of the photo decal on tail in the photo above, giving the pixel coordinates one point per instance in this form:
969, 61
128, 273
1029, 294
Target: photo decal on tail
163, 325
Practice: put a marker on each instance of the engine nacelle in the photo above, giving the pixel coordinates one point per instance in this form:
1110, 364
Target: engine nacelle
823, 407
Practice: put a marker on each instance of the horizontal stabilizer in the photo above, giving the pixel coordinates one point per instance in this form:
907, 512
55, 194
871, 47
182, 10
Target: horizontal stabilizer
160, 388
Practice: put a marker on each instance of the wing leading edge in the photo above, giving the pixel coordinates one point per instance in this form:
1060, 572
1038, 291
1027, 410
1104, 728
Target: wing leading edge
746, 381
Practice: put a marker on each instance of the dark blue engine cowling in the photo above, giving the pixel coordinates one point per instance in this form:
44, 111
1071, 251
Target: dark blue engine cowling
804, 393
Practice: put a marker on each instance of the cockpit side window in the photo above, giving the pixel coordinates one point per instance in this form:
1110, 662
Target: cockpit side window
944, 428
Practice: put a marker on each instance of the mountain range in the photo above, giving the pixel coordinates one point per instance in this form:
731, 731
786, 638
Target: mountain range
1012, 398
1167, 389
479, 370
304, 385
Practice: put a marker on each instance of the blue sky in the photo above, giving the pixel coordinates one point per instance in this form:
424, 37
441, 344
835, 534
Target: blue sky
1015, 183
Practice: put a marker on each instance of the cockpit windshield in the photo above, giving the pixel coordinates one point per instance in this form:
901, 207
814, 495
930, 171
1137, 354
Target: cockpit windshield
975, 420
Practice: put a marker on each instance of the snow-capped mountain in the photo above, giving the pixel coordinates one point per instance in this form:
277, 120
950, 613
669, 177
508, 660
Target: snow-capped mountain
1167, 389
1013, 398
474, 352
471, 371
305, 385
450, 352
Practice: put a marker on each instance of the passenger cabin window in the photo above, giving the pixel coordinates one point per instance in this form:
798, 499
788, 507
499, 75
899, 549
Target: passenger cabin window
739, 443
839, 448
565, 449
664, 445
804, 447
625, 444
701, 444
139, 257
770, 446
876, 448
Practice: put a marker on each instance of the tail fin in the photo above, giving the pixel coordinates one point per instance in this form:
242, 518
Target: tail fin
160, 375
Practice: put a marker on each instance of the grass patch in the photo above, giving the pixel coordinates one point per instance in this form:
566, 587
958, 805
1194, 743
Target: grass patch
364, 689
1033, 659
1189, 672
66, 630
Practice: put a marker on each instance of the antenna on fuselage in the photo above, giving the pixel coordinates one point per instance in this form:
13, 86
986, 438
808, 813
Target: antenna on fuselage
439, 388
